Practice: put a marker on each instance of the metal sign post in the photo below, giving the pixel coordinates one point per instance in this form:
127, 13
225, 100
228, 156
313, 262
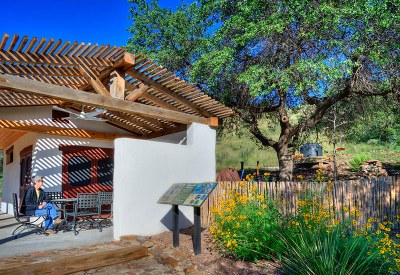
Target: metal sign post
197, 231
175, 225
189, 194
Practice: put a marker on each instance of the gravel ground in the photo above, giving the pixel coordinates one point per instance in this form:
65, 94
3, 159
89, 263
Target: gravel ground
165, 259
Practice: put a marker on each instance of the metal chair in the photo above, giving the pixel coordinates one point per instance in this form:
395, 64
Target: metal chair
25, 221
54, 195
105, 199
84, 214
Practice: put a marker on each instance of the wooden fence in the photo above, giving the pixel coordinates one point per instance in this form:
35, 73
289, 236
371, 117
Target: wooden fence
376, 197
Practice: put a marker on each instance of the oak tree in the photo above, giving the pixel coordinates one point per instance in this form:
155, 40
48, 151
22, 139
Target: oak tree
263, 58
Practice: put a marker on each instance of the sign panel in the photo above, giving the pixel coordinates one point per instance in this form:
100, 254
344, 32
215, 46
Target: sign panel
190, 194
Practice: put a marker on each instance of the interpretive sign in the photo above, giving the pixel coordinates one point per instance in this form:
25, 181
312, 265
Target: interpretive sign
190, 194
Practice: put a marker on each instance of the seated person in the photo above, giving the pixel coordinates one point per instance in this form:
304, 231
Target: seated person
35, 203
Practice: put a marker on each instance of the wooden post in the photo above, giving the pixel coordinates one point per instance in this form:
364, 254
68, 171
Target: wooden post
117, 88
175, 225
258, 168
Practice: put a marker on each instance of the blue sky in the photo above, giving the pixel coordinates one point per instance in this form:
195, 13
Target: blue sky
95, 21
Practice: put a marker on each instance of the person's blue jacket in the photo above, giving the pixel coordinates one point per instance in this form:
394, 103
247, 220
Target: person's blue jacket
31, 202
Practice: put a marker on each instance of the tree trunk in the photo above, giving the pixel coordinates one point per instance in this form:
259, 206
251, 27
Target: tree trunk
285, 163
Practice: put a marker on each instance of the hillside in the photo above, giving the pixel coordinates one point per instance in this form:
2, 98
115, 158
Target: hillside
232, 148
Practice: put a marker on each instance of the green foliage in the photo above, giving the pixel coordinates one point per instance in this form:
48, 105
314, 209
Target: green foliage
321, 252
368, 120
234, 147
176, 39
267, 57
238, 222
357, 160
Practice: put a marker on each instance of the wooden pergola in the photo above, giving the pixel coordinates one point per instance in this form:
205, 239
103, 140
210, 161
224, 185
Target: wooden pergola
138, 95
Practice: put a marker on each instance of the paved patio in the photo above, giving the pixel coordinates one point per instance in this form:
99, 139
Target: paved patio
30, 242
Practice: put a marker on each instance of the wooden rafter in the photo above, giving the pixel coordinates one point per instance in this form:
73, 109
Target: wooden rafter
22, 85
169, 131
53, 130
136, 93
159, 86
8, 137
94, 80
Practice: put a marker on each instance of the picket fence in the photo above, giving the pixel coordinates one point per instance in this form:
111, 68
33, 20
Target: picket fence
375, 197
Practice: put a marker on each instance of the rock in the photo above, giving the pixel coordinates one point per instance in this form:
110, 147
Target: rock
171, 261
322, 166
157, 250
148, 244
180, 255
129, 238
190, 270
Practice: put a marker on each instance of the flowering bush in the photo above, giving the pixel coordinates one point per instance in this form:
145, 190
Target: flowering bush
317, 243
266, 176
244, 225
248, 226
377, 234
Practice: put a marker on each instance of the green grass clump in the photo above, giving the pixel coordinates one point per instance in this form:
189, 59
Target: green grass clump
320, 252
357, 160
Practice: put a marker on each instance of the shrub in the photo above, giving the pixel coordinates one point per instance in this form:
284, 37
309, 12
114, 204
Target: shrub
357, 160
245, 225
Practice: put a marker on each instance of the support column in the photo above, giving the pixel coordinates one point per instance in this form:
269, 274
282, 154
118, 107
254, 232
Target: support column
117, 88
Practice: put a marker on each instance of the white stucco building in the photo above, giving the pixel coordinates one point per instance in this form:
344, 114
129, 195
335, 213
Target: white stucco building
155, 130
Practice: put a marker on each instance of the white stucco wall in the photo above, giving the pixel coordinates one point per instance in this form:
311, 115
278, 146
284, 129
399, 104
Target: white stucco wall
144, 170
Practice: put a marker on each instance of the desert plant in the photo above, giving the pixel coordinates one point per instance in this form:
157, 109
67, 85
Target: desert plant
357, 160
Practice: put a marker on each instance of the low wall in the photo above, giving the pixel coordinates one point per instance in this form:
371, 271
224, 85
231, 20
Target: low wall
144, 170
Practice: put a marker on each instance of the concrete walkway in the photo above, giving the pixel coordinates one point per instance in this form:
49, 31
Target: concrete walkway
31, 242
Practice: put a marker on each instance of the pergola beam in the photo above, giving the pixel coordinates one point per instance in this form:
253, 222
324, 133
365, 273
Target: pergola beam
135, 94
53, 130
18, 84
129, 62
93, 80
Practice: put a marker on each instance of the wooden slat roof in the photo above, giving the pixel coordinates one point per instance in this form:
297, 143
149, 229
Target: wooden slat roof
108, 71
